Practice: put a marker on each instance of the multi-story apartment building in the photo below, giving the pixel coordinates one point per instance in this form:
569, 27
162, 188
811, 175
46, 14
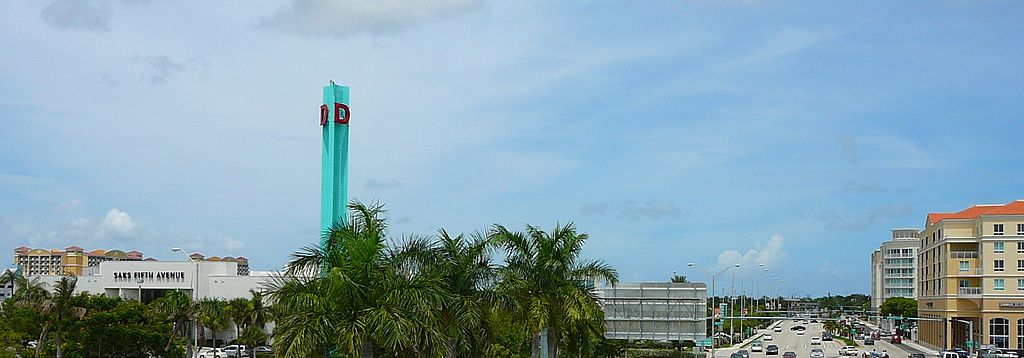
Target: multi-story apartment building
72, 260
893, 269
971, 273
6, 288
243, 263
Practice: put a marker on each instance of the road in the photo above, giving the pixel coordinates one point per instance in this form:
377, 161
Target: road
789, 341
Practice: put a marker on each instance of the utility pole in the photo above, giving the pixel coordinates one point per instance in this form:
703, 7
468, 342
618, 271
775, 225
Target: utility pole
732, 321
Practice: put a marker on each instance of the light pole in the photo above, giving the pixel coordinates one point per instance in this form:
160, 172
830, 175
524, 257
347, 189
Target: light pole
713, 320
139, 281
195, 297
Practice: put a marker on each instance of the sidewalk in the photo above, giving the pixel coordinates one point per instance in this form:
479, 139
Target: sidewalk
909, 343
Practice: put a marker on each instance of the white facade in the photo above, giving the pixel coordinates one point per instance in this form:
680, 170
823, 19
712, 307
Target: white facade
655, 311
893, 269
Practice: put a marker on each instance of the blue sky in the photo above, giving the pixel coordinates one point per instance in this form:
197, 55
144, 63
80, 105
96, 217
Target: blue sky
789, 134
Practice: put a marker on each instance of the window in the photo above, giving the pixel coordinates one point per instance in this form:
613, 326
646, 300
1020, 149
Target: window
963, 283
1020, 267
998, 265
1020, 328
1020, 284
1020, 247
999, 332
998, 247
966, 265
1020, 229
998, 284
997, 229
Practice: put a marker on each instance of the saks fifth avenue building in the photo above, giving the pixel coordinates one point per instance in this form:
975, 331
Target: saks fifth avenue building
148, 280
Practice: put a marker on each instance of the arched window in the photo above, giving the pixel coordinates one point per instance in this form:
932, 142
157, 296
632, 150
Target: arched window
999, 332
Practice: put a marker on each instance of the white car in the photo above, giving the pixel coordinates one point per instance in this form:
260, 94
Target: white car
756, 347
815, 341
778, 329
848, 351
236, 350
767, 337
207, 352
799, 332
817, 353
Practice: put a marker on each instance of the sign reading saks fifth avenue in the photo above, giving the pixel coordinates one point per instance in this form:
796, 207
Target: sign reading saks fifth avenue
1011, 304
149, 275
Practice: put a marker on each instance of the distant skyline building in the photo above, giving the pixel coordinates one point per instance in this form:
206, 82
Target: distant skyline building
74, 260
893, 272
971, 273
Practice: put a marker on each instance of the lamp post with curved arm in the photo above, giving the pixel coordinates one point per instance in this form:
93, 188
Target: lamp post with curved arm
195, 297
713, 277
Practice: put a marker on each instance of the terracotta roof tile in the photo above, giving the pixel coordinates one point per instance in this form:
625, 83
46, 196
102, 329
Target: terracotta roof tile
1012, 208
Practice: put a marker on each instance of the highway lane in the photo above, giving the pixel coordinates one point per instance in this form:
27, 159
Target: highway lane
789, 341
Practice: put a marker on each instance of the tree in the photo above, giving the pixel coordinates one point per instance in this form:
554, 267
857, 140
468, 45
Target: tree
352, 295
177, 308
899, 306
211, 314
239, 310
251, 337
678, 279
56, 310
548, 281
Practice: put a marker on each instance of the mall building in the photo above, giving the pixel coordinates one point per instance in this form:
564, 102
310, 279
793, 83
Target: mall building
971, 274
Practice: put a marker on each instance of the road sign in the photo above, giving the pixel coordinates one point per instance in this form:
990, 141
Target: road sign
706, 342
970, 344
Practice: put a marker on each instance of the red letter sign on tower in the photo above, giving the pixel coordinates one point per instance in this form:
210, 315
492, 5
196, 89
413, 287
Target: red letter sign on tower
338, 118
323, 114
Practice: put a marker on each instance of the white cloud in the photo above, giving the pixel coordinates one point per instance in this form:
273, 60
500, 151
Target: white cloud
339, 18
233, 245
117, 223
768, 254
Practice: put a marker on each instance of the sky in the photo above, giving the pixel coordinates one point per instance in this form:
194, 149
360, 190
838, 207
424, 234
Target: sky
788, 134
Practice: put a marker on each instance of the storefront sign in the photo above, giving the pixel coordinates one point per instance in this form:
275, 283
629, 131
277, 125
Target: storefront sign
1011, 304
149, 275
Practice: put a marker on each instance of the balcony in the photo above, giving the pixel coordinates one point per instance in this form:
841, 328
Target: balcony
971, 271
963, 254
969, 292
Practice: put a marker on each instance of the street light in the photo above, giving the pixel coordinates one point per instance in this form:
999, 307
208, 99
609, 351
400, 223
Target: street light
195, 297
713, 277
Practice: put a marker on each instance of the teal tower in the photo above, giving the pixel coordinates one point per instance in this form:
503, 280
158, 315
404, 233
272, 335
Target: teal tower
334, 118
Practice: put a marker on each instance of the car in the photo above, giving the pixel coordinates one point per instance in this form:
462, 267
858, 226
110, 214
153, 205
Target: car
771, 350
826, 336
767, 337
756, 347
869, 341
744, 353
920, 355
208, 352
789, 355
848, 351
996, 353
961, 352
236, 350
949, 354
736, 355
797, 328
800, 332
815, 341
875, 354
264, 349
817, 353
777, 329
896, 339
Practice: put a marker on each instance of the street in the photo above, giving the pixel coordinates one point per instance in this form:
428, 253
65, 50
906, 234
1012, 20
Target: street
789, 341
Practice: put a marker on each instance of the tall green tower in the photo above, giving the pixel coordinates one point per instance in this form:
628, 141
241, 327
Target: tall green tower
334, 118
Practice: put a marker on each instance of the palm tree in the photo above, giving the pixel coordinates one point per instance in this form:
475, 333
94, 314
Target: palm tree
211, 314
178, 308
678, 279
353, 295
56, 309
464, 267
239, 311
549, 281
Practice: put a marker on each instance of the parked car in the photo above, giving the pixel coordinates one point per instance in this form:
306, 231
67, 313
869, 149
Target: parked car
896, 339
815, 341
789, 355
996, 353
264, 349
236, 351
208, 352
817, 353
771, 350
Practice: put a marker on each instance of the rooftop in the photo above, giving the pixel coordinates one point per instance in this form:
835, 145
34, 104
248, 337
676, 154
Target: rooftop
1011, 208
